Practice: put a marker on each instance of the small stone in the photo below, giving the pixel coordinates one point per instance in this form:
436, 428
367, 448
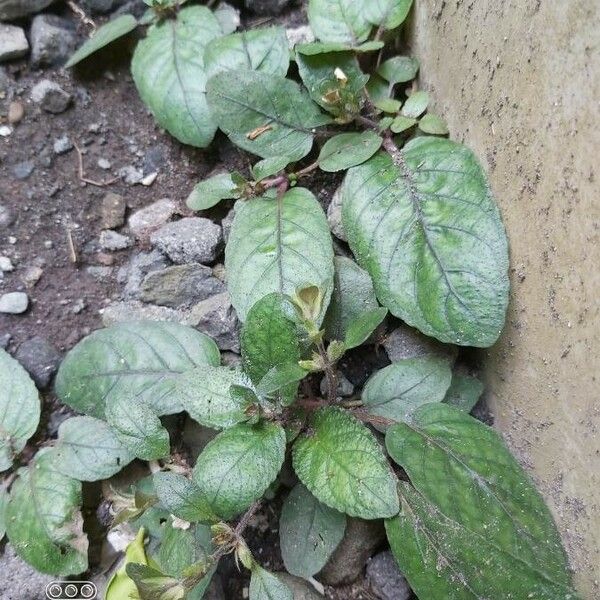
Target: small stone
113, 211
216, 317
301, 589
6, 264
102, 274
5, 340
112, 241
121, 312
334, 215
131, 175
12, 240
53, 40
406, 342
16, 112
78, 306
151, 217
14, 303
15, 9
132, 274
40, 359
344, 388
104, 164
148, 180
62, 145
105, 259
23, 169
5, 130
49, 244
302, 34
385, 578
6, 216
13, 43
267, 7
32, 275
192, 239
50, 96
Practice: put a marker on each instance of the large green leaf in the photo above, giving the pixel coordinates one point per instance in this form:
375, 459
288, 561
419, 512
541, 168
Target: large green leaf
238, 466
168, 70
473, 525
89, 450
108, 33
339, 460
425, 226
278, 246
348, 150
19, 409
43, 521
257, 49
396, 390
341, 21
143, 357
153, 584
309, 532
266, 586
387, 13
266, 114
464, 391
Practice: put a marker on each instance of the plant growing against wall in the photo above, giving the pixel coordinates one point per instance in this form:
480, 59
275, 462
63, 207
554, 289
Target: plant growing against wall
462, 518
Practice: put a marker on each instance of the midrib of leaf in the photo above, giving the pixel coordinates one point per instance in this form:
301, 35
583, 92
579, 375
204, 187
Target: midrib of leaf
347, 23
402, 393
279, 243
38, 509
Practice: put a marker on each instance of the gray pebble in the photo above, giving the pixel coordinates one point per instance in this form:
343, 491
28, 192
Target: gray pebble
151, 217
216, 317
50, 96
62, 145
40, 359
385, 578
23, 169
113, 241
14, 303
53, 40
13, 43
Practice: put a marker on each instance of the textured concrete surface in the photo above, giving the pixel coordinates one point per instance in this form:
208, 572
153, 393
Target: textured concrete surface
519, 82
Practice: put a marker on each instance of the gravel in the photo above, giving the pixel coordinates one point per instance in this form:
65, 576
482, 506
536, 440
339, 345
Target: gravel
50, 96
113, 211
62, 145
149, 218
13, 43
112, 241
14, 303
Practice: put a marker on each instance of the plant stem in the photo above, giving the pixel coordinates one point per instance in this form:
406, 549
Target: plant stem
330, 373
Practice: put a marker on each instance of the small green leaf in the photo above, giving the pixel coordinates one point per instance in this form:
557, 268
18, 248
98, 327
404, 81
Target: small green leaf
105, 35
402, 123
266, 586
378, 88
182, 497
152, 584
266, 114
269, 166
263, 49
363, 326
19, 409
464, 392
211, 191
309, 532
281, 377
387, 13
433, 124
121, 585
339, 460
388, 105
43, 520
347, 150
312, 48
399, 69
416, 104
237, 466
89, 450
396, 390
341, 21
3, 504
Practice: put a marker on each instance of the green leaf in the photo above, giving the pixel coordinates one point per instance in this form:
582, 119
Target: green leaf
3, 504
339, 460
168, 70
388, 105
473, 526
237, 466
152, 584
347, 150
402, 123
312, 48
262, 113
387, 13
281, 377
416, 104
211, 191
278, 246
105, 35
182, 497
144, 358
399, 69
363, 326
396, 390
378, 88
464, 392
431, 239
89, 450
43, 520
309, 532
433, 124
266, 586
342, 21
269, 166
19, 409
334, 81
205, 395
121, 585
263, 49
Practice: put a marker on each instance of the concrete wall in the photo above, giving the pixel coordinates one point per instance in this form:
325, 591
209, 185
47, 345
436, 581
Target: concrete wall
519, 82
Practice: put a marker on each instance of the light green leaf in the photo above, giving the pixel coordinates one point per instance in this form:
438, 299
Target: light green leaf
263, 49
144, 358
339, 460
211, 191
312, 48
237, 466
269, 166
342, 21
263, 113
309, 532
3, 505
89, 450
19, 409
278, 246
464, 392
378, 88
399, 69
168, 70
388, 105
433, 124
396, 390
228, 17
473, 525
43, 520
280, 377
266, 586
347, 150
204, 393
431, 239
363, 326
402, 123
120, 585
387, 13
152, 584
105, 35
182, 497
416, 104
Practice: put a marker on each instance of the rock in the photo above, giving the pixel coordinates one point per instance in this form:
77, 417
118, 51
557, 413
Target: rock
14, 303
6, 216
226, 224
385, 578
131, 175
62, 145
16, 112
359, 542
50, 96
121, 312
301, 590
32, 275
139, 266
5, 130
23, 169
180, 285
113, 210
104, 164
344, 387
13, 43
334, 215
40, 359
112, 241
267, 7
53, 40
14, 9
149, 218
302, 34
216, 317
19, 581
100, 6
102, 274
6, 264
192, 239
406, 342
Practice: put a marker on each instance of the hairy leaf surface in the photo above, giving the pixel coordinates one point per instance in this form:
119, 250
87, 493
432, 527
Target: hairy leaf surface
348, 150
211, 191
182, 497
387, 13
269, 166
464, 392
342, 21
266, 586
399, 69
